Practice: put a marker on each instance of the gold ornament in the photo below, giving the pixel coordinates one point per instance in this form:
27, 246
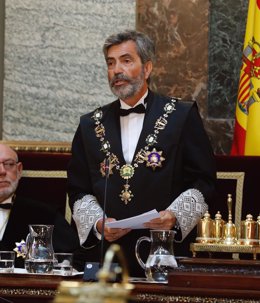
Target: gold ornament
127, 171
126, 194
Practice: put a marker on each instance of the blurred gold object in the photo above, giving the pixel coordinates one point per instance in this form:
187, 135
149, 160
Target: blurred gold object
230, 231
218, 227
248, 231
258, 229
101, 291
205, 229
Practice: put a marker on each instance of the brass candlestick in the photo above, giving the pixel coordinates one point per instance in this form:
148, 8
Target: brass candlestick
230, 232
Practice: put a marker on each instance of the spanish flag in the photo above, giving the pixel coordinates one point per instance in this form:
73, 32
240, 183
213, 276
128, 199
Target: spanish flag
247, 124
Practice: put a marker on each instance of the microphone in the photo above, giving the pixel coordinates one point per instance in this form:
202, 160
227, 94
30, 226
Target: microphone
91, 268
107, 164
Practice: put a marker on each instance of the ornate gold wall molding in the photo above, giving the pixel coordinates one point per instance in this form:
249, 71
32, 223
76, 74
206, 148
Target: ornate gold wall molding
39, 146
239, 177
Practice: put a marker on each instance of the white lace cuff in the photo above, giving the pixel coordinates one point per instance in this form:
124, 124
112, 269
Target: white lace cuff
86, 212
188, 208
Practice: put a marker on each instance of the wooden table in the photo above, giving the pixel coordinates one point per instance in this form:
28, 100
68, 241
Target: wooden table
25, 288
187, 286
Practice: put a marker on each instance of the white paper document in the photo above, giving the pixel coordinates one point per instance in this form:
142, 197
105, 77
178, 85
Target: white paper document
135, 222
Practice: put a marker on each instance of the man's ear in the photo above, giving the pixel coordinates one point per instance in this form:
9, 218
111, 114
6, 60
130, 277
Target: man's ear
19, 169
148, 67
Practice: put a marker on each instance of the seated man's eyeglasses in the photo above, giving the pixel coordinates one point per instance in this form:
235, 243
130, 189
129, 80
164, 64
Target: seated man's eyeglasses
9, 164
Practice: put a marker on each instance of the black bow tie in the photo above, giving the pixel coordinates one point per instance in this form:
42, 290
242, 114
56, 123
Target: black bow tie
6, 205
139, 109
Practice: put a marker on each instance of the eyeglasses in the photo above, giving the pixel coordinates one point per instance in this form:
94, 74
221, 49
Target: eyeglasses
9, 164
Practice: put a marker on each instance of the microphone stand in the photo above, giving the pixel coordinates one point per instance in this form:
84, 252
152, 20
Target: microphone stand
107, 164
91, 268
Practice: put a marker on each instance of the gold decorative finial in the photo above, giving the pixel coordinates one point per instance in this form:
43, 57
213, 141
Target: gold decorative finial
230, 232
229, 204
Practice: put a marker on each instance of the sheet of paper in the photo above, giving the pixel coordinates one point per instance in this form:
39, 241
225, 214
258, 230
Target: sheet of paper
135, 222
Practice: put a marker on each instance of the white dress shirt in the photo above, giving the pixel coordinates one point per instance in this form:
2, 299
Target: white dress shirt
131, 127
4, 216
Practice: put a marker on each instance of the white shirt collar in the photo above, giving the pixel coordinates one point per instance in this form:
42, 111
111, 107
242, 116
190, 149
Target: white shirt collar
9, 200
141, 101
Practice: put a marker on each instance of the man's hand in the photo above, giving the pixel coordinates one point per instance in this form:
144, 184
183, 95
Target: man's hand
166, 221
111, 234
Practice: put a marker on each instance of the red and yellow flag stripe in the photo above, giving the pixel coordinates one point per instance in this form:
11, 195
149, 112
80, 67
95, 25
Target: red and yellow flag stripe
247, 125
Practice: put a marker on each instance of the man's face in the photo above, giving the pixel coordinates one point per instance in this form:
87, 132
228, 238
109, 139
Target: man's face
10, 172
126, 73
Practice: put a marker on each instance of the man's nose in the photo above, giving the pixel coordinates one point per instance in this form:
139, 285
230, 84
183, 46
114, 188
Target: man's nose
2, 169
118, 68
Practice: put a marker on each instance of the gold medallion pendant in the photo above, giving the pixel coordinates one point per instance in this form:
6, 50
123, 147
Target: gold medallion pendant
126, 194
154, 159
127, 171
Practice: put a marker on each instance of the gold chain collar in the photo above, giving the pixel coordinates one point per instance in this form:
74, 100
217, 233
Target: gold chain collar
153, 158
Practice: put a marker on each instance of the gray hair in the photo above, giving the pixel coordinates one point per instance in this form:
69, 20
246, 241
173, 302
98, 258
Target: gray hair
144, 45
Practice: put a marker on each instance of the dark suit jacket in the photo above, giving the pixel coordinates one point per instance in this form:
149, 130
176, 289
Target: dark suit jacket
189, 163
25, 212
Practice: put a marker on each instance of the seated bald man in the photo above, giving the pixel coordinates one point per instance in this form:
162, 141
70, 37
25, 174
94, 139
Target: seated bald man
16, 213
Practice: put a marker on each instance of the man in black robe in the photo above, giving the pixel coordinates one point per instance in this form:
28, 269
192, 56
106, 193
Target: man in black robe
158, 154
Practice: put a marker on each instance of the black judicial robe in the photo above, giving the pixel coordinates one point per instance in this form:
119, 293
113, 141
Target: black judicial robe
25, 212
189, 163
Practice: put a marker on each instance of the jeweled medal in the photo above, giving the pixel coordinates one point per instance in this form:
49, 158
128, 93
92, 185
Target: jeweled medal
113, 161
126, 172
126, 194
103, 168
98, 114
154, 159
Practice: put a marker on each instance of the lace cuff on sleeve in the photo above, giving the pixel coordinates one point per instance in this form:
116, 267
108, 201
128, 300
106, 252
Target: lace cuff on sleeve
86, 212
188, 208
